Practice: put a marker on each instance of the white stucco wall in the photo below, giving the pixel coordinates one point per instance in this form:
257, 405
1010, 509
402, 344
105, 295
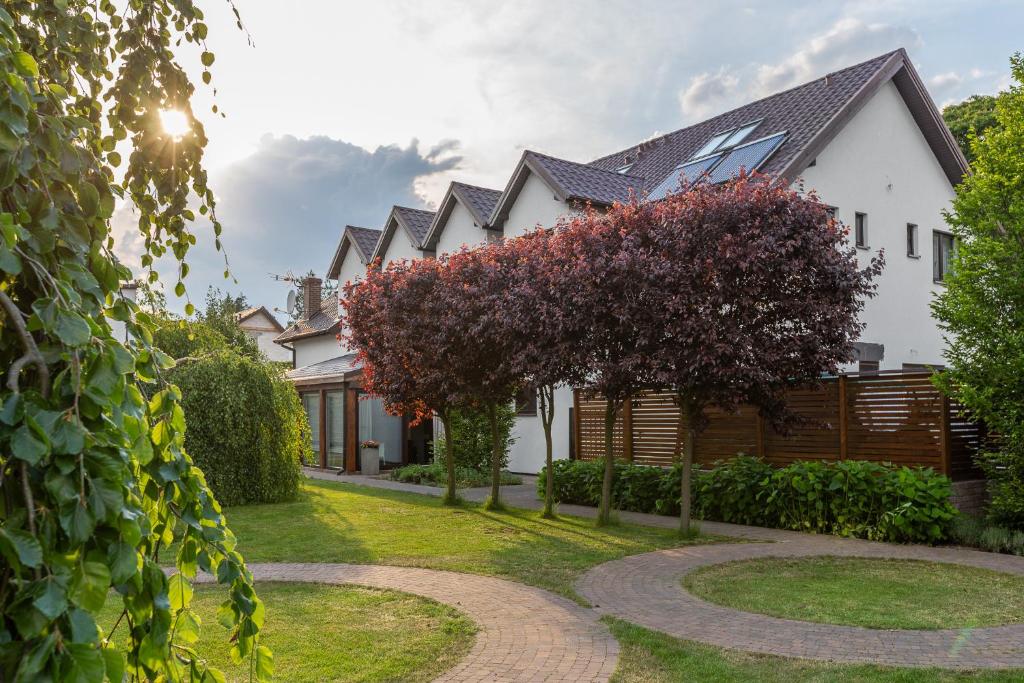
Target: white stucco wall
881, 165
460, 230
535, 205
352, 269
400, 247
265, 343
315, 349
528, 451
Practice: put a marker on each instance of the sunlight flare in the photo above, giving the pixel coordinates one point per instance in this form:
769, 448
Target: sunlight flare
175, 123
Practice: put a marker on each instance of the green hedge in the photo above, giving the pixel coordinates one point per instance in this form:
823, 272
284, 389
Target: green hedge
847, 498
435, 474
245, 427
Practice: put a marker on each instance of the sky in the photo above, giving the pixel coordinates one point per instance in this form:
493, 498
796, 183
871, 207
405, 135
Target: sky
337, 110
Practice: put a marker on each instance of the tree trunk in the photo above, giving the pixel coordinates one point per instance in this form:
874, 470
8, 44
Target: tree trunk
451, 496
688, 412
495, 501
604, 512
547, 416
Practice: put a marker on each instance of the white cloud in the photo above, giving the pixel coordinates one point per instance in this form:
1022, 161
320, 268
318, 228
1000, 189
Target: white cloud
706, 93
945, 80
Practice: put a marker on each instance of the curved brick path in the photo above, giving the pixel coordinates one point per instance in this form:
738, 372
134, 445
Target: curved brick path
646, 589
526, 634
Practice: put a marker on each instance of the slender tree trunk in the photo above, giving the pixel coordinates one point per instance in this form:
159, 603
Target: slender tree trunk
604, 512
451, 496
547, 416
495, 501
687, 412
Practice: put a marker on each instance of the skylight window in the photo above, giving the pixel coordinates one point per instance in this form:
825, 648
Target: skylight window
727, 139
712, 144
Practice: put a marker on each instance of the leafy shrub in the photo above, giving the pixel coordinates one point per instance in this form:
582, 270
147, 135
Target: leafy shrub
246, 427
975, 532
182, 338
472, 435
847, 498
435, 474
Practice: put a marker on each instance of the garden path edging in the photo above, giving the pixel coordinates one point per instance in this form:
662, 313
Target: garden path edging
525, 633
647, 590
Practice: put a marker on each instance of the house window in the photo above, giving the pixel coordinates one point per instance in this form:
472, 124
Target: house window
867, 366
526, 402
943, 250
860, 229
311, 403
912, 241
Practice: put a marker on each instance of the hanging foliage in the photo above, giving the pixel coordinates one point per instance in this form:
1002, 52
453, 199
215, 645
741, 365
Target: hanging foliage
98, 493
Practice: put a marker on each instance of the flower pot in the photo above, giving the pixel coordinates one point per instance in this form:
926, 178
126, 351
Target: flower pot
369, 461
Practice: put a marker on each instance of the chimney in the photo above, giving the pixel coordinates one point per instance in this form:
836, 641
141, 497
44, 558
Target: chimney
310, 297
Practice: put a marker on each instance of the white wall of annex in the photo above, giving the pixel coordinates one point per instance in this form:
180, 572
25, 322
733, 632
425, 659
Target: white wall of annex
316, 349
400, 247
535, 205
526, 456
880, 164
460, 230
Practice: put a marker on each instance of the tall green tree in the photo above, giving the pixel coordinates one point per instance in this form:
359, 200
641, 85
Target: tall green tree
976, 114
97, 493
221, 315
982, 306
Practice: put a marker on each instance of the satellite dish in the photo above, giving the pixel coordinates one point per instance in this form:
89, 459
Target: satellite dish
291, 301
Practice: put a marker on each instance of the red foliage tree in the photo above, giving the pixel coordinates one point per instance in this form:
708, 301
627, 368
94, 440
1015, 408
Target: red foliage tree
607, 307
547, 353
397, 319
757, 293
476, 289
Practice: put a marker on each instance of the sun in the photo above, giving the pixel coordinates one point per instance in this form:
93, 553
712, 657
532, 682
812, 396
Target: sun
175, 123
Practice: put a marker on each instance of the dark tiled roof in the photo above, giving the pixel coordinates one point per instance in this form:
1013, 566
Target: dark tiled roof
332, 367
479, 200
366, 238
801, 112
417, 220
587, 182
325, 320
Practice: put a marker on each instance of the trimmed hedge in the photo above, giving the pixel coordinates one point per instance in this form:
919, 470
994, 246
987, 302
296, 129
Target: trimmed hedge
246, 428
435, 474
846, 498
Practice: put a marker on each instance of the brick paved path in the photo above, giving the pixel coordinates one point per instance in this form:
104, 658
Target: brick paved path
646, 589
526, 634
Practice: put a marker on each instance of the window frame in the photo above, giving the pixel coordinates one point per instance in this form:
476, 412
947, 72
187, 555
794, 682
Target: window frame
526, 403
913, 241
939, 272
860, 230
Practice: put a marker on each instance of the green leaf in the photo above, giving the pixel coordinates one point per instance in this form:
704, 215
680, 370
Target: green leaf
53, 600
25, 446
27, 64
88, 199
179, 592
207, 58
264, 663
87, 664
114, 663
123, 560
22, 546
90, 585
83, 626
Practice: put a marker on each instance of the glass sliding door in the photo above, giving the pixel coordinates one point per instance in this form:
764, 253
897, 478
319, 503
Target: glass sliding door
311, 403
336, 429
385, 429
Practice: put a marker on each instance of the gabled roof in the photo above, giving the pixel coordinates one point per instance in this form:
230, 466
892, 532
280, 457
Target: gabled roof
479, 201
811, 115
569, 180
325, 321
415, 223
364, 240
242, 316
331, 369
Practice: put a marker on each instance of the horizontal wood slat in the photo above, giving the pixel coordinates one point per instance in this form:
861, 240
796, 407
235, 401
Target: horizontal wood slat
893, 416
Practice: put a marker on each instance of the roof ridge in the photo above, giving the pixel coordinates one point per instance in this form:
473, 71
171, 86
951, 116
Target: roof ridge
882, 58
586, 165
475, 187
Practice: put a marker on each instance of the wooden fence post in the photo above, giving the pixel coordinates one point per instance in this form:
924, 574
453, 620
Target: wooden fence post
843, 418
577, 419
945, 436
627, 429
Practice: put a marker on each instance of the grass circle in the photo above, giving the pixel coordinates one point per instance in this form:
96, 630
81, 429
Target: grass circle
868, 592
337, 633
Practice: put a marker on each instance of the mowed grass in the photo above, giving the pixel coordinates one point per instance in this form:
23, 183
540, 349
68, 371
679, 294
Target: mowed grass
338, 633
874, 593
650, 657
347, 523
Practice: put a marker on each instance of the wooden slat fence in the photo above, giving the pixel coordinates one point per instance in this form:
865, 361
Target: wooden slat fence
889, 416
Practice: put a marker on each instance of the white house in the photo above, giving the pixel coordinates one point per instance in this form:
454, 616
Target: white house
263, 328
868, 139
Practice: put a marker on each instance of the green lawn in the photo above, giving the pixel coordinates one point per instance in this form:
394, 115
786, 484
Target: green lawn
650, 657
333, 633
346, 523
875, 593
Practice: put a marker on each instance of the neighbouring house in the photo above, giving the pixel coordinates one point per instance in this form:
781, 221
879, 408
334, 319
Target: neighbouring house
868, 139
263, 328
